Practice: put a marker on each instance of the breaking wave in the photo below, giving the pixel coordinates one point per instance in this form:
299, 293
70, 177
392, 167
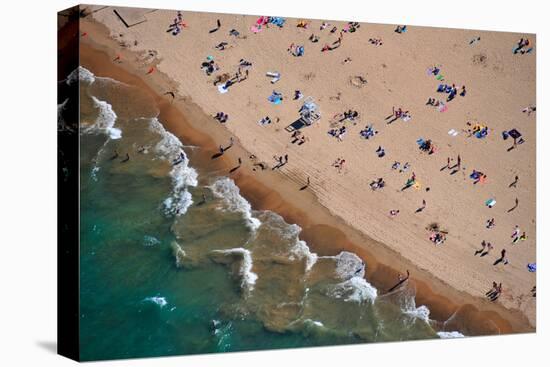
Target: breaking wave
226, 189
170, 148
241, 258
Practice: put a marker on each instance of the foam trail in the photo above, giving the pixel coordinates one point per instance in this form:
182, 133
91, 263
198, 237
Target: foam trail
183, 176
408, 307
180, 254
349, 265
61, 124
290, 232
421, 312
105, 120
354, 288
160, 301
226, 189
80, 74
150, 241
301, 250
248, 278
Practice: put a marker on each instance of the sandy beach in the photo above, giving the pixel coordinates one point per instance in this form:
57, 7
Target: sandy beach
338, 209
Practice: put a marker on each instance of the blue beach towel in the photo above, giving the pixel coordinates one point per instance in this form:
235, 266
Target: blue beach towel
532, 267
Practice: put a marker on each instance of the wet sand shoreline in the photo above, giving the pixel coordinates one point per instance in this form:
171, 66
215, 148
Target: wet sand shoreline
324, 233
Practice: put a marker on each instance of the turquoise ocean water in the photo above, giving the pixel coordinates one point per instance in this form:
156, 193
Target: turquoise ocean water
164, 273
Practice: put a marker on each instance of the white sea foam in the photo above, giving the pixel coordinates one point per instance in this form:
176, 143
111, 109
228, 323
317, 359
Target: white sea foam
150, 241
61, 124
160, 301
349, 265
421, 312
310, 322
226, 189
105, 120
183, 176
80, 74
179, 254
290, 232
248, 278
301, 250
355, 289
449, 334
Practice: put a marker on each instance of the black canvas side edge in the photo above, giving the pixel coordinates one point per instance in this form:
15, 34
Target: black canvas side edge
68, 186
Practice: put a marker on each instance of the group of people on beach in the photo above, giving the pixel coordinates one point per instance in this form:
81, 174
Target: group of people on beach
177, 25
522, 46
398, 114
494, 292
339, 130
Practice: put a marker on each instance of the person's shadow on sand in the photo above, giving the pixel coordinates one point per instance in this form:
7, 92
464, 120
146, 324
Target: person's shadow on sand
217, 155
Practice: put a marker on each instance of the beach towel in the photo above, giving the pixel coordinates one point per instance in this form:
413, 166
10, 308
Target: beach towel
532, 267
443, 108
420, 142
256, 29
452, 132
440, 77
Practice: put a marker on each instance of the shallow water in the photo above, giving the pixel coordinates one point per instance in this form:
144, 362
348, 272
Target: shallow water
163, 272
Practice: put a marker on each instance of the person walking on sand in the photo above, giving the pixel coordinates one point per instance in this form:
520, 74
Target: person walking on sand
490, 223
483, 246
516, 232
115, 156
458, 162
497, 293
515, 206
422, 207
492, 290
394, 212
306, 185
488, 250
503, 259
341, 165
514, 184
400, 277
